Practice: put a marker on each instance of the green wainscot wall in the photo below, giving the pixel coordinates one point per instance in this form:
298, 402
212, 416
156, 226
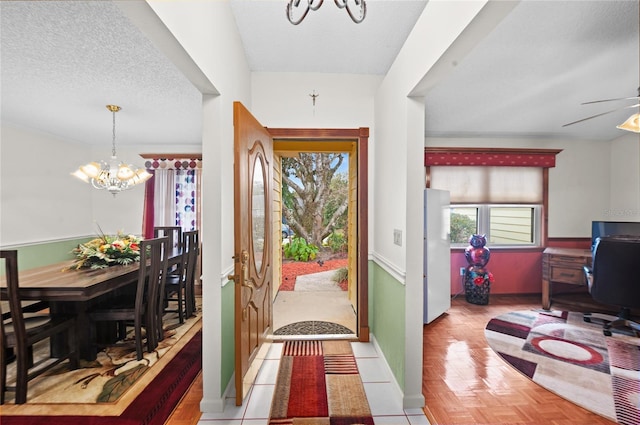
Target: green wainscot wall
228, 335
42, 254
387, 318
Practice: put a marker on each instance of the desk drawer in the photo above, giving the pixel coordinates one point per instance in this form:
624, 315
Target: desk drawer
567, 275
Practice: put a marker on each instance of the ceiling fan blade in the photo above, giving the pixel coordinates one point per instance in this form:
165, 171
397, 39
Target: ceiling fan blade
601, 114
609, 100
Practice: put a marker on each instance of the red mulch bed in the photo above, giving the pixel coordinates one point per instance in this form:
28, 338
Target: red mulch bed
292, 269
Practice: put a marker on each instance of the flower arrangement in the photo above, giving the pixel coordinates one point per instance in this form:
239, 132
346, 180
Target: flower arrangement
480, 277
107, 250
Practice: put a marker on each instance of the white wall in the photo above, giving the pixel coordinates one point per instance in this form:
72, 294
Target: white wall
41, 201
624, 202
579, 184
48, 204
283, 99
206, 31
399, 153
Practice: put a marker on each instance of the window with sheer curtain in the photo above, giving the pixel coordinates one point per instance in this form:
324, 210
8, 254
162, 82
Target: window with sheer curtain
172, 196
497, 192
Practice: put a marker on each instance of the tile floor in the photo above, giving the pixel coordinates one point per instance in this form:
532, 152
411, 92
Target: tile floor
384, 400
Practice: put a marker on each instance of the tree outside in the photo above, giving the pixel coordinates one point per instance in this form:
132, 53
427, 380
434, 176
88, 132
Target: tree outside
462, 227
315, 194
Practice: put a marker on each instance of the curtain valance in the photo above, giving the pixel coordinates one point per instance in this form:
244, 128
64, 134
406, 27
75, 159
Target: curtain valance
500, 157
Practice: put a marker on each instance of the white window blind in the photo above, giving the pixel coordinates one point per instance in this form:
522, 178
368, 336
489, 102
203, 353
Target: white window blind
487, 184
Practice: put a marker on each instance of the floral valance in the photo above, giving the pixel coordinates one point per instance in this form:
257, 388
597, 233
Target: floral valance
544, 158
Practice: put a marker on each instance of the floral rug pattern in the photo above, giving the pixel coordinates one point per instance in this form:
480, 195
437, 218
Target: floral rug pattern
105, 379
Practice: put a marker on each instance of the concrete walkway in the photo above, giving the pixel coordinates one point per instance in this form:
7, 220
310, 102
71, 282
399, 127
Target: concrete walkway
321, 281
316, 297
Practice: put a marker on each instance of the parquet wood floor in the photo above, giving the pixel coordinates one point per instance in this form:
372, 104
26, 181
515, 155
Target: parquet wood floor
465, 382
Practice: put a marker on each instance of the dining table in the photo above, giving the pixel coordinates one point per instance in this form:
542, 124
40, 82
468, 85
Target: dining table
70, 291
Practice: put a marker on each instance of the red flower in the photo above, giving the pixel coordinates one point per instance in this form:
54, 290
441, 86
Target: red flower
491, 279
478, 280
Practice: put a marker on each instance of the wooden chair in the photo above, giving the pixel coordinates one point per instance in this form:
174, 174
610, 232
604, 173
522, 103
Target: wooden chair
180, 288
174, 233
21, 334
142, 311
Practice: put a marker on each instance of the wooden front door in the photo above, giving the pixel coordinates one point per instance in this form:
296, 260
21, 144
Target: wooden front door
253, 245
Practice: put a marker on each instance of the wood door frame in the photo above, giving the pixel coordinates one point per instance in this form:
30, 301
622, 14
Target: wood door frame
361, 136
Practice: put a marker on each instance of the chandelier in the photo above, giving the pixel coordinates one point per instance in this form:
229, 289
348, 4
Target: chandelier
114, 176
307, 5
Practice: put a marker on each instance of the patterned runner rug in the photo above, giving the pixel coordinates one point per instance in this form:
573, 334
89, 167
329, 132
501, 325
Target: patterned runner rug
573, 359
319, 384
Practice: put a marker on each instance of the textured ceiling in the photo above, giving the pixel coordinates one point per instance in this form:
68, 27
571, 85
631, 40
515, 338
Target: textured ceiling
529, 76
62, 61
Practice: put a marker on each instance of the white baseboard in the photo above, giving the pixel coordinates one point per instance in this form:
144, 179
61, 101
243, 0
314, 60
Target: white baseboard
409, 401
212, 406
217, 405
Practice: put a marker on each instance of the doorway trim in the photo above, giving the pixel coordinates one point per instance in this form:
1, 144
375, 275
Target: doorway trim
361, 136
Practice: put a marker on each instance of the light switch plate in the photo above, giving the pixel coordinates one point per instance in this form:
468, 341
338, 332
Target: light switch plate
397, 237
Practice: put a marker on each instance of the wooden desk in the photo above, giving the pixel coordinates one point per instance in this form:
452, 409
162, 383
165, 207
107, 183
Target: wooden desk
75, 292
562, 265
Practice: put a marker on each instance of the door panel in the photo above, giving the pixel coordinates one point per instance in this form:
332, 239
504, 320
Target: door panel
253, 239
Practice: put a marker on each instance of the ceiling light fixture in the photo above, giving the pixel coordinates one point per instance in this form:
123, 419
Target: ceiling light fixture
113, 176
307, 5
631, 124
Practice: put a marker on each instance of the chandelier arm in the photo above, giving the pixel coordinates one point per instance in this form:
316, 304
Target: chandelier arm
363, 10
295, 3
315, 6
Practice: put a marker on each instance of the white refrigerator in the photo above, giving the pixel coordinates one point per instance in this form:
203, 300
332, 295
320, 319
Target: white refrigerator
437, 254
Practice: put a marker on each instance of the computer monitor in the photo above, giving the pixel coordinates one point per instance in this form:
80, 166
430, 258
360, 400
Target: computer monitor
613, 228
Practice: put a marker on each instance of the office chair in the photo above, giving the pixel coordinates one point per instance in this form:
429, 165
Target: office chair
614, 279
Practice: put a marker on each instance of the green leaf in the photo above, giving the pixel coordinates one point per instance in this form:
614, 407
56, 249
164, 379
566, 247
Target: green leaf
117, 385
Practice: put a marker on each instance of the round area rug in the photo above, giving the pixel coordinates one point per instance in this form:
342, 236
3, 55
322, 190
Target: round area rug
313, 327
573, 358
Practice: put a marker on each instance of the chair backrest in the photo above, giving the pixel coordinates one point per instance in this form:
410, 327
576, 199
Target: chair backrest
615, 271
153, 253
174, 233
190, 245
15, 303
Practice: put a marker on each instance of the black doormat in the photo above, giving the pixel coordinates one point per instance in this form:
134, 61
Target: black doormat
313, 327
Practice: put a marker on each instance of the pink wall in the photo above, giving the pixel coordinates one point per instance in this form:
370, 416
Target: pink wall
515, 271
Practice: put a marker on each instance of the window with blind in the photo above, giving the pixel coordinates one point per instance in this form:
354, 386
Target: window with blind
505, 203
